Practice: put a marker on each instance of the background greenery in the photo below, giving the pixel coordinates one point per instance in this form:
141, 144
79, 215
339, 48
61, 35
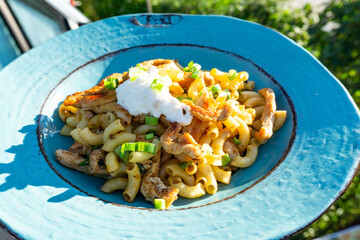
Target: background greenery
332, 35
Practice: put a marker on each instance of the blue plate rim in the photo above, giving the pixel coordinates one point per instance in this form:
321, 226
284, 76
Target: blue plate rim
288, 149
354, 171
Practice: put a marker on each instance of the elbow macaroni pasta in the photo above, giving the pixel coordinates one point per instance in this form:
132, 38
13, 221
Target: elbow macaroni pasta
226, 143
134, 180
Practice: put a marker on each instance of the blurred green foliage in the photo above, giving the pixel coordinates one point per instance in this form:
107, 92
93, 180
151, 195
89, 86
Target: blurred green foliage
338, 48
333, 36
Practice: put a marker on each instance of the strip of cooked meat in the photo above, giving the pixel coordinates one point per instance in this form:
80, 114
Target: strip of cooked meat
164, 121
231, 149
80, 149
267, 117
139, 118
208, 115
152, 187
94, 96
97, 162
186, 80
196, 128
176, 143
120, 112
183, 158
74, 161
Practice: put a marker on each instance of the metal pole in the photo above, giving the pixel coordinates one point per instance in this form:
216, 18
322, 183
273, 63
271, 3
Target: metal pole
149, 6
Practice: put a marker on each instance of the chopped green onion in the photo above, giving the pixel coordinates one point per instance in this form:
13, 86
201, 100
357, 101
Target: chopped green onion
145, 147
117, 150
149, 136
232, 74
151, 131
123, 151
141, 168
182, 98
194, 68
184, 165
215, 89
111, 83
189, 68
228, 93
157, 85
225, 160
149, 120
237, 141
96, 147
128, 147
190, 65
125, 157
201, 93
136, 72
141, 67
85, 162
122, 154
195, 74
159, 204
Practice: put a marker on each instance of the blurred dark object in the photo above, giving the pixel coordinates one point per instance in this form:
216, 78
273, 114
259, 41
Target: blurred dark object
27, 23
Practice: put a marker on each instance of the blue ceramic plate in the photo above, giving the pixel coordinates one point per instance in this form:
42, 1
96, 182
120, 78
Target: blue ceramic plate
299, 173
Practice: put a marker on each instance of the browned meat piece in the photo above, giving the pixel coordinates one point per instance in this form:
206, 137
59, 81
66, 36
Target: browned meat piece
139, 118
165, 156
231, 149
267, 117
183, 158
208, 115
94, 96
97, 162
141, 138
152, 187
176, 143
196, 128
71, 160
164, 121
186, 80
147, 164
74, 161
119, 111
209, 80
80, 149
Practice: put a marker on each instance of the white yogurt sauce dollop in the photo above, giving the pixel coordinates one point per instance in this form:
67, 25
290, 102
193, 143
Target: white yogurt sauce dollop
137, 97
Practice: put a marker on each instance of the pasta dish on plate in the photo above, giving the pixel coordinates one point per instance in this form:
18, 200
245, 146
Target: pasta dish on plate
166, 130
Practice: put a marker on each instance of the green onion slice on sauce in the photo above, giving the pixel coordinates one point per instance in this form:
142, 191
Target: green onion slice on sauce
149, 120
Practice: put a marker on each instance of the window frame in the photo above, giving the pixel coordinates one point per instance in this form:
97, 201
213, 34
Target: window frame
17, 31
14, 27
